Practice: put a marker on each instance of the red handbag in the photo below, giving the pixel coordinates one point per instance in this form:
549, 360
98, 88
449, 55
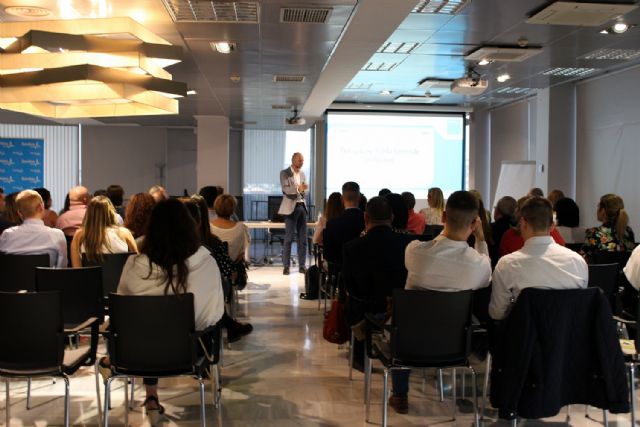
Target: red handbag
336, 329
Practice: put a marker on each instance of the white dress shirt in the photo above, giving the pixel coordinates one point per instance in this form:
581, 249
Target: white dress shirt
541, 263
447, 265
632, 269
298, 180
32, 237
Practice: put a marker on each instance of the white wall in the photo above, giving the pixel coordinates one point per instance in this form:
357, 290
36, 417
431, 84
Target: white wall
213, 151
607, 143
182, 153
134, 157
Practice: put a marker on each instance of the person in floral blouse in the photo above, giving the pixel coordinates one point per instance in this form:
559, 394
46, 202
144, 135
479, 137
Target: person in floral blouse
614, 235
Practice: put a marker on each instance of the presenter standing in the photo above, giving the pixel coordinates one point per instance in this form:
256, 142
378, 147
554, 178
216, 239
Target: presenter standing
294, 209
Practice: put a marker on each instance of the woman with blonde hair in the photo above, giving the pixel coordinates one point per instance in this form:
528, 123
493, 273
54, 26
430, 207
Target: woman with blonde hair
614, 235
236, 234
100, 234
435, 200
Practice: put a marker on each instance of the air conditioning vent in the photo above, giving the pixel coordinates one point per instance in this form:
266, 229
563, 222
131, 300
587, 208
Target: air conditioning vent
580, 14
569, 71
227, 12
303, 15
286, 78
612, 54
281, 106
359, 86
409, 99
445, 7
503, 54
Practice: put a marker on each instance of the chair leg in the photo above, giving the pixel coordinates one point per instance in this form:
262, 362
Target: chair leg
28, 393
605, 418
632, 390
126, 401
440, 385
474, 396
385, 392
351, 342
514, 422
485, 386
97, 375
202, 408
217, 392
132, 400
107, 395
67, 402
463, 385
367, 383
7, 404
454, 392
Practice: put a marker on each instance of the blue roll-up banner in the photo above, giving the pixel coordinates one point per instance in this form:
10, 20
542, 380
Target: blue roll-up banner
21, 164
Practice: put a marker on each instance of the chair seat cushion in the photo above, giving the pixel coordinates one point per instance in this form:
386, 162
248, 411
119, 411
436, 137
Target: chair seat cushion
75, 358
382, 349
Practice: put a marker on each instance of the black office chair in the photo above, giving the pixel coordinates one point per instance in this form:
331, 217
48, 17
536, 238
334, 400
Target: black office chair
605, 277
32, 333
610, 257
576, 247
19, 271
162, 343
274, 234
429, 329
431, 231
112, 265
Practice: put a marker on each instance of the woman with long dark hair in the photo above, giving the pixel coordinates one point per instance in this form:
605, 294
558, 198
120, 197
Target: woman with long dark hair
172, 261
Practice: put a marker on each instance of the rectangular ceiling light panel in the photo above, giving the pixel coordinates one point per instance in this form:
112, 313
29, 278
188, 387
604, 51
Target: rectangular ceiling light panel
288, 78
409, 99
569, 71
445, 7
435, 84
304, 15
580, 14
400, 47
358, 86
228, 12
503, 54
379, 66
613, 54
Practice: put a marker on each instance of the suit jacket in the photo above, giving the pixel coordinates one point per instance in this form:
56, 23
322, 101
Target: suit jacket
289, 190
557, 347
373, 265
339, 231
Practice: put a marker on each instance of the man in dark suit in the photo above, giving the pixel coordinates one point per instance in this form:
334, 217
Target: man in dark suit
373, 265
346, 227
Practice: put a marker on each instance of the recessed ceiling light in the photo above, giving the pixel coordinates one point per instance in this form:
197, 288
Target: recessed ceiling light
27, 11
503, 77
223, 47
484, 61
234, 78
385, 92
620, 27
191, 92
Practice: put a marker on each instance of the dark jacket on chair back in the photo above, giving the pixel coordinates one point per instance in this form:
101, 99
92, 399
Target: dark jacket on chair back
558, 347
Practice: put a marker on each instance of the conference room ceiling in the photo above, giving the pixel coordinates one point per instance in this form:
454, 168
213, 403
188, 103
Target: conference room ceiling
333, 51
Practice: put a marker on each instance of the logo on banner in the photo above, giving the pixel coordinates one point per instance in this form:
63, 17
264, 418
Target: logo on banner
6, 162
6, 179
22, 163
33, 145
32, 162
6, 144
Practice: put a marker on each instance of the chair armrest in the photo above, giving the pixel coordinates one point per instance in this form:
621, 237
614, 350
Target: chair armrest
625, 321
84, 325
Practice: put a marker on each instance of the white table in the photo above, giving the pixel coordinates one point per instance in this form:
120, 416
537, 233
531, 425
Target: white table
268, 225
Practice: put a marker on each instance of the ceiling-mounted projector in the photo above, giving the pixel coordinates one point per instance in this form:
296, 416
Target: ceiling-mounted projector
295, 120
470, 86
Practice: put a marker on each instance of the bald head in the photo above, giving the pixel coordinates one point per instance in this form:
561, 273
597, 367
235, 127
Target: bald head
79, 195
297, 160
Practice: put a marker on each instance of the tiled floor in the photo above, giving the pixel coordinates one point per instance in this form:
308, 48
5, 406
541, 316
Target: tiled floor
283, 374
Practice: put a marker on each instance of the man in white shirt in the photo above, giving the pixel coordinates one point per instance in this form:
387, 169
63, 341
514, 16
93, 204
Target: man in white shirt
446, 263
32, 236
294, 209
541, 263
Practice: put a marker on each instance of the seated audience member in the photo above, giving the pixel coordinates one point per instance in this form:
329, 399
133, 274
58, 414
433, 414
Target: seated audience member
373, 265
100, 234
485, 220
345, 227
446, 263
172, 261
487, 213
236, 234
632, 269
32, 236
6, 219
433, 213
535, 192
10, 214
115, 193
568, 220
210, 193
100, 192
333, 209
137, 214
362, 204
384, 192
512, 239
159, 193
415, 221
614, 235
554, 196
505, 218
541, 263
219, 250
400, 213
50, 217
66, 206
70, 221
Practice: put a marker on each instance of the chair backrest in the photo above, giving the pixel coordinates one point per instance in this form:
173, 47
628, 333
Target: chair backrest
431, 231
151, 334
81, 290
112, 265
431, 327
576, 247
31, 331
610, 257
273, 205
19, 271
605, 277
